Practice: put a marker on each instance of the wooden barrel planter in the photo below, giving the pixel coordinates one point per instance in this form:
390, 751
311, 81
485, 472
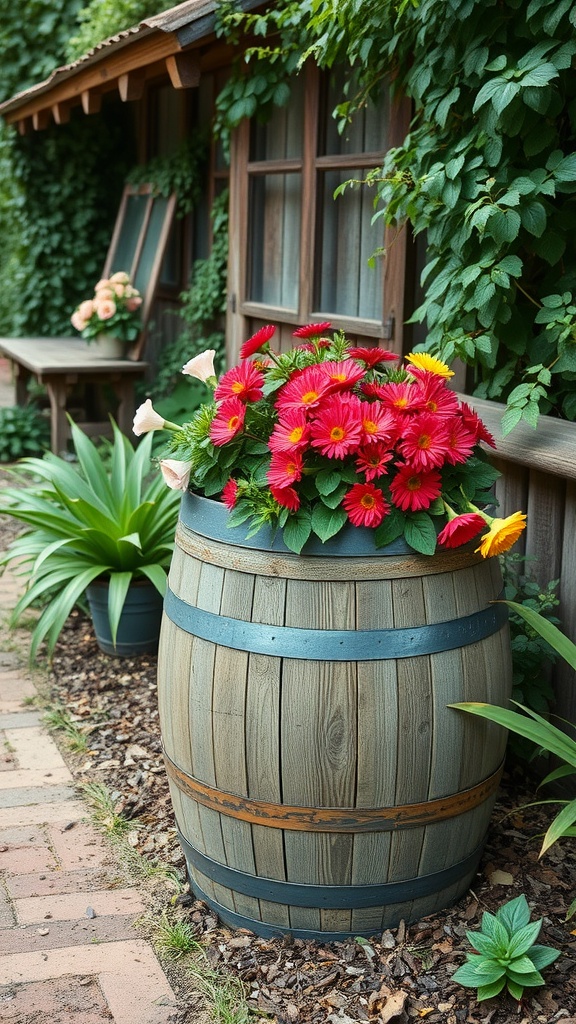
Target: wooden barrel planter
320, 784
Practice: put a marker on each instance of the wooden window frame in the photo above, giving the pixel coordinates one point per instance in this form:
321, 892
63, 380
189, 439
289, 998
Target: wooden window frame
309, 166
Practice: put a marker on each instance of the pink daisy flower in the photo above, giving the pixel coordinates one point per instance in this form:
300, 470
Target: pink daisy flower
336, 428
401, 398
286, 496
365, 505
461, 529
244, 382
436, 397
285, 469
412, 490
229, 493
461, 441
372, 356
304, 390
257, 342
378, 423
475, 425
292, 432
372, 460
425, 442
343, 375
312, 330
228, 421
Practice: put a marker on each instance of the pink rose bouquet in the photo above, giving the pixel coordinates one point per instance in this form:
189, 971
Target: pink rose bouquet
114, 309
330, 433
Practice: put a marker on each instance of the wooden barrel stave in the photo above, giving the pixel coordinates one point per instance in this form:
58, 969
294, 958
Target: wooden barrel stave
328, 734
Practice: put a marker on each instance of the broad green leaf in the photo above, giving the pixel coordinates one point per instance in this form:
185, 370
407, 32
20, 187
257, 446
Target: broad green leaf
516, 991
522, 939
489, 991
515, 914
561, 643
529, 980
391, 527
117, 590
544, 734
327, 480
420, 533
478, 971
297, 531
542, 956
327, 522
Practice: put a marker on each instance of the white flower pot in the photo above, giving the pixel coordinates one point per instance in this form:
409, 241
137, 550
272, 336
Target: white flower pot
108, 346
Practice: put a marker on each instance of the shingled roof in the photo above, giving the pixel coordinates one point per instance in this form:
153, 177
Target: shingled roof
164, 44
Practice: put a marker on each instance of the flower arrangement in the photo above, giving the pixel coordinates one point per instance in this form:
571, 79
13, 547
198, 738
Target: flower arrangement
113, 309
330, 433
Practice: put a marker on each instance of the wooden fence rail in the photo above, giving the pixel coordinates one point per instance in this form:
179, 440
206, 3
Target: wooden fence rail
539, 477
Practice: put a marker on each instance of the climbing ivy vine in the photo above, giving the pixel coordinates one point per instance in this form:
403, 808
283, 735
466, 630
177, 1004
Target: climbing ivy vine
487, 173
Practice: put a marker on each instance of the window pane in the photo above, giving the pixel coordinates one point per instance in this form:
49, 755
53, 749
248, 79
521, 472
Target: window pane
368, 131
125, 251
281, 137
345, 284
274, 248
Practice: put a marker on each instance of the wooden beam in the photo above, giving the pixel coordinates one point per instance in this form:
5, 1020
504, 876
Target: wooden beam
91, 101
41, 119
61, 113
184, 70
23, 125
131, 85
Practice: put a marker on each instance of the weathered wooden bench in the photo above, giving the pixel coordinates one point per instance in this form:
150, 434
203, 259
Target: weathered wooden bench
61, 364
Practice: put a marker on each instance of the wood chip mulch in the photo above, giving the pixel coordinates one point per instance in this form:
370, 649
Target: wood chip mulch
401, 975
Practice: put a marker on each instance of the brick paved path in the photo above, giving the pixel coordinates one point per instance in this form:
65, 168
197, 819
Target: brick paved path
69, 951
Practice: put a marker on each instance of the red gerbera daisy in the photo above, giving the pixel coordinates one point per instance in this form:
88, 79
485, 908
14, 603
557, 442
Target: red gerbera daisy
286, 496
304, 390
378, 423
229, 493
285, 468
412, 490
228, 421
461, 441
372, 356
461, 529
312, 330
436, 397
257, 342
343, 375
336, 428
244, 381
291, 432
365, 505
425, 442
372, 460
475, 425
400, 398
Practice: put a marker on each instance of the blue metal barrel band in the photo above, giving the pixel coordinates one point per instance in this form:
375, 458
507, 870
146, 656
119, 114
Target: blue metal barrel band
329, 897
334, 644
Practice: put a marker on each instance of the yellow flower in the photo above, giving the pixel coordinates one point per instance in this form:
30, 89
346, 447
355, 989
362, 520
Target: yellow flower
503, 533
424, 361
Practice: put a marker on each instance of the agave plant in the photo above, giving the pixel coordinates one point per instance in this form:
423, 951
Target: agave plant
536, 728
106, 518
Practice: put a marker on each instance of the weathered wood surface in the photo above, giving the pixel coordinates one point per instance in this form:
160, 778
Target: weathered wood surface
327, 735
539, 477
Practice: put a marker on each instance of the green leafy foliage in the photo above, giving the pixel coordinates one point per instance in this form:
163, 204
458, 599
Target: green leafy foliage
59, 225
181, 172
508, 955
23, 431
107, 518
101, 19
537, 729
487, 172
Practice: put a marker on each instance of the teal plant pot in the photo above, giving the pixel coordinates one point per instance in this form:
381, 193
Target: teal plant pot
139, 626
